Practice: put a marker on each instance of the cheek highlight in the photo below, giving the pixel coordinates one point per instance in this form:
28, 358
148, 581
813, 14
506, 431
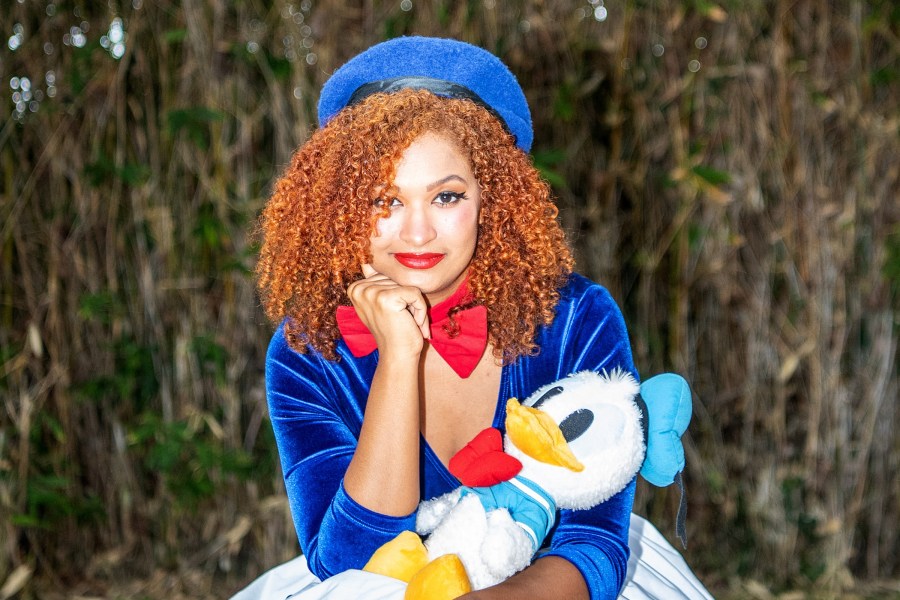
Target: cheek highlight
381, 227
462, 220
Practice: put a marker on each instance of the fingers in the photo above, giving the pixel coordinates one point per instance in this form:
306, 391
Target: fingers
367, 290
419, 312
390, 297
380, 302
370, 276
376, 283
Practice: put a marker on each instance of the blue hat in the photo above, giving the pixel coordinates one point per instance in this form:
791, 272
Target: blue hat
445, 67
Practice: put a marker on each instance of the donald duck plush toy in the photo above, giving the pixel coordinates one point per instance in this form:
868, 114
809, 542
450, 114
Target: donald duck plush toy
572, 444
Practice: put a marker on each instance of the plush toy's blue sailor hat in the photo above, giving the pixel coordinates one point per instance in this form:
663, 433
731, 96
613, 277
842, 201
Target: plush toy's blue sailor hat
445, 67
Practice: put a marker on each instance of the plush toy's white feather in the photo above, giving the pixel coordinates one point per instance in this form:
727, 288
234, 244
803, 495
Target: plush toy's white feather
432, 512
491, 546
506, 548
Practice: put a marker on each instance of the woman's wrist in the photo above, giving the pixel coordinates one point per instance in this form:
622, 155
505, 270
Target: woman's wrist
400, 358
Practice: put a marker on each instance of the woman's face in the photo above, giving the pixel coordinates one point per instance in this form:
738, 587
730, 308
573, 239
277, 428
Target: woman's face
429, 237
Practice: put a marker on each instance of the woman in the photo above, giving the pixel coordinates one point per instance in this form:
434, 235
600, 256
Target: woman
412, 255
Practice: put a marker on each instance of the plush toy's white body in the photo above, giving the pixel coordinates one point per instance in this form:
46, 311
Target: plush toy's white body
602, 425
491, 546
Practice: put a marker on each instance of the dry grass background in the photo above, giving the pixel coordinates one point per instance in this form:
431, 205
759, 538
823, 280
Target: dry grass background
729, 170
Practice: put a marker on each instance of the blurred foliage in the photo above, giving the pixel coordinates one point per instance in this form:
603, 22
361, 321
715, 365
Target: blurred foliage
728, 170
188, 458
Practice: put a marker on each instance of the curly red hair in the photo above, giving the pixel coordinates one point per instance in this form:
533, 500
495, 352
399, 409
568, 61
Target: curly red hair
317, 224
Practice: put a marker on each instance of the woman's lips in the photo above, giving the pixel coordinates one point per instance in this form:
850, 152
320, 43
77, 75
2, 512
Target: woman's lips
418, 261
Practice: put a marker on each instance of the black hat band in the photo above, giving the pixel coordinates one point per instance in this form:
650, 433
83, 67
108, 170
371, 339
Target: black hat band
438, 87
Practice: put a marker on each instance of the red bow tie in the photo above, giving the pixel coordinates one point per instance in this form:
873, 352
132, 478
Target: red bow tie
482, 462
462, 351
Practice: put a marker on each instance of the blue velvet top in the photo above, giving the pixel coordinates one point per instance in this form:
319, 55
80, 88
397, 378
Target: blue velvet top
317, 406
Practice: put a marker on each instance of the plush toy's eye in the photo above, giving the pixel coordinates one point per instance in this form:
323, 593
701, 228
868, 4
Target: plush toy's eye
555, 391
645, 419
575, 424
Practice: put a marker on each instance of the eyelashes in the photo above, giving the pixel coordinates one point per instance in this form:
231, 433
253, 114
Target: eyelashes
441, 199
447, 198
382, 202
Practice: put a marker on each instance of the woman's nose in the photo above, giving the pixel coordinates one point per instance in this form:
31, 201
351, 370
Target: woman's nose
417, 229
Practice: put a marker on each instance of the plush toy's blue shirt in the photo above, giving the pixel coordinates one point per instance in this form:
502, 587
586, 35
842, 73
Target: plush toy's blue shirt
527, 502
317, 407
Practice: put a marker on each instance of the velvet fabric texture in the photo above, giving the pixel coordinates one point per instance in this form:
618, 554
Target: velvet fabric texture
316, 407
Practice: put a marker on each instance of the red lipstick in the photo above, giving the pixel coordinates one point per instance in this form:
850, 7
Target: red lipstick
426, 260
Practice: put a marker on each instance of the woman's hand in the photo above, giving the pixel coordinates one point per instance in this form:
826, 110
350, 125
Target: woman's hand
395, 314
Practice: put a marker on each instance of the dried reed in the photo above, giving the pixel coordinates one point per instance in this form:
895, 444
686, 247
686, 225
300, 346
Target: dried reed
730, 171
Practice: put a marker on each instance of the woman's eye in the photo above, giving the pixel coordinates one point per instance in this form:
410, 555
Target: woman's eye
449, 197
389, 202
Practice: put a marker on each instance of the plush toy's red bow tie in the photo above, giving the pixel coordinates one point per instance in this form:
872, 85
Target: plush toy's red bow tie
462, 349
482, 462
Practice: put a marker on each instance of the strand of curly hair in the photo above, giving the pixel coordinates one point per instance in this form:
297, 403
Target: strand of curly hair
316, 226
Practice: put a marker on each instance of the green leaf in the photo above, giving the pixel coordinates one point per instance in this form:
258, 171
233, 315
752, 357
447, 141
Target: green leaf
198, 115
554, 178
133, 174
884, 76
99, 307
29, 521
195, 122
281, 67
173, 36
81, 68
209, 230
104, 169
564, 102
213, 356
549, 158
100, 171
891, 267
546, 162
711, 175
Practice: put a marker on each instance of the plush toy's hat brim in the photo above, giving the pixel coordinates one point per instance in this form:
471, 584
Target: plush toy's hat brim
440, 65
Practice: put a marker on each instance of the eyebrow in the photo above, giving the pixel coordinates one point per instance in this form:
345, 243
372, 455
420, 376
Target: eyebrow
441, 182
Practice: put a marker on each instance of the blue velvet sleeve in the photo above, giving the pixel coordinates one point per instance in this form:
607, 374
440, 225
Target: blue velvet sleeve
316, 409
589, 333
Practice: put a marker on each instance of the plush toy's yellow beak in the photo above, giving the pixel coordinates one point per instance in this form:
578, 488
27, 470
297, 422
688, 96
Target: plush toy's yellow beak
537, 435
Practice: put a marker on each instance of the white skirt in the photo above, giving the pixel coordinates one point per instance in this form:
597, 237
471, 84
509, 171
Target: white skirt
656, 571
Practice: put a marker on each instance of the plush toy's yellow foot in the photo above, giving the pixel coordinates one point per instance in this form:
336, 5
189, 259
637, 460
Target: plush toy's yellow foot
444, 578
400, 558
